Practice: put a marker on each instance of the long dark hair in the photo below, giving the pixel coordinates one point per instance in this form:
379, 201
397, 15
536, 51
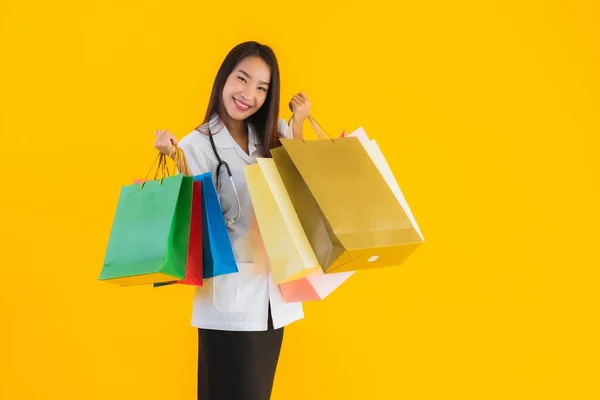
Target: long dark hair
264, 120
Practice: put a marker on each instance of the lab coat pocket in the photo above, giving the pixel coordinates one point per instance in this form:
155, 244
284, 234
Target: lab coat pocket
238, 292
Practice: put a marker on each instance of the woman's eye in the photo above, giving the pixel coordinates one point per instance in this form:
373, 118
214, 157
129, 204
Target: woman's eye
263, 89
241, 79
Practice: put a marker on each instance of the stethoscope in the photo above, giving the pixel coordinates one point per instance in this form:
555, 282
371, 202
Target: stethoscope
224, 164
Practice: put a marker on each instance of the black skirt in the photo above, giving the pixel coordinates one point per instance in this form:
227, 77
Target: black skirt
238, 365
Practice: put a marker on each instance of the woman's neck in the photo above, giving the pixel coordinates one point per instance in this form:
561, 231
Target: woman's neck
238, 131
236, 128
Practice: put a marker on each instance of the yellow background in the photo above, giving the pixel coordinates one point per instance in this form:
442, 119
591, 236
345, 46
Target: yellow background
487, 110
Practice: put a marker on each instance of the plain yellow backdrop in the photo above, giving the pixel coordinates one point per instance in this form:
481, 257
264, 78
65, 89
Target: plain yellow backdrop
488, 112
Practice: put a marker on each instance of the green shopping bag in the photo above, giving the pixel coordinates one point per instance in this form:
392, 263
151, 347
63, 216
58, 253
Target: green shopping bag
149, 236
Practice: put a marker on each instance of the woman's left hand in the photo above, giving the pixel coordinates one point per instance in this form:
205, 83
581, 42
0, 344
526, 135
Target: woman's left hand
300, 106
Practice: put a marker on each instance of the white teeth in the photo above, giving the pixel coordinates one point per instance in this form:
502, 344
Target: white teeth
242, 106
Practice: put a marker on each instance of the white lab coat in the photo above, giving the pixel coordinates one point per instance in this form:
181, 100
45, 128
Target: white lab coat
239, 301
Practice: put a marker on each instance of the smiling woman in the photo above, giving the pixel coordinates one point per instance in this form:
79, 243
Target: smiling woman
240, 317
247, 80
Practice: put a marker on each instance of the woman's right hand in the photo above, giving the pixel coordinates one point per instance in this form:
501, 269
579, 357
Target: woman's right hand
164, 142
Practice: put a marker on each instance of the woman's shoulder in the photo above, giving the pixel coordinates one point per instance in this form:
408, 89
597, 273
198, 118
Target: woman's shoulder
199, 136
192, 138
195, 142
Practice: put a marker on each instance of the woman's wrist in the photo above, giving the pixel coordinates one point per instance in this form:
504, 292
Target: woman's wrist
173, 152
296, 125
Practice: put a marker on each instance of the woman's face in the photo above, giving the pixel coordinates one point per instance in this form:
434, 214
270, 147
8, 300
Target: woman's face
246, 88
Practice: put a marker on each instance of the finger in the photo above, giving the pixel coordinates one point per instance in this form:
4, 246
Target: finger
295, 105
166, 136
301, 97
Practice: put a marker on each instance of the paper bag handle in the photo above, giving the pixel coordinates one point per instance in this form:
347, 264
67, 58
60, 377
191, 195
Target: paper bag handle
319, 130
180, 158
181, 161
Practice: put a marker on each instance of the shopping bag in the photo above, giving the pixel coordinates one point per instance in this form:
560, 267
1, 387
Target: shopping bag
193, 272
217, 252
148, 240
193, 268
352, 217
307, 209
293, 264
288, 250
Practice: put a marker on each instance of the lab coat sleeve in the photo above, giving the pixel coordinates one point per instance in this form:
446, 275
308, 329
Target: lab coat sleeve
195, 158
285, 129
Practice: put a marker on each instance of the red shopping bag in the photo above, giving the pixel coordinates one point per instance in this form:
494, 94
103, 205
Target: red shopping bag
193, 270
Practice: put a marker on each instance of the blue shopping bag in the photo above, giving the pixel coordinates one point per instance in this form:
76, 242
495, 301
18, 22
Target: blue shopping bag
218, 258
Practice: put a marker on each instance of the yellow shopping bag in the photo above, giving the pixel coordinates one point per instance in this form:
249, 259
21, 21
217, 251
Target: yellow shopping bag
289, 252
348, 202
